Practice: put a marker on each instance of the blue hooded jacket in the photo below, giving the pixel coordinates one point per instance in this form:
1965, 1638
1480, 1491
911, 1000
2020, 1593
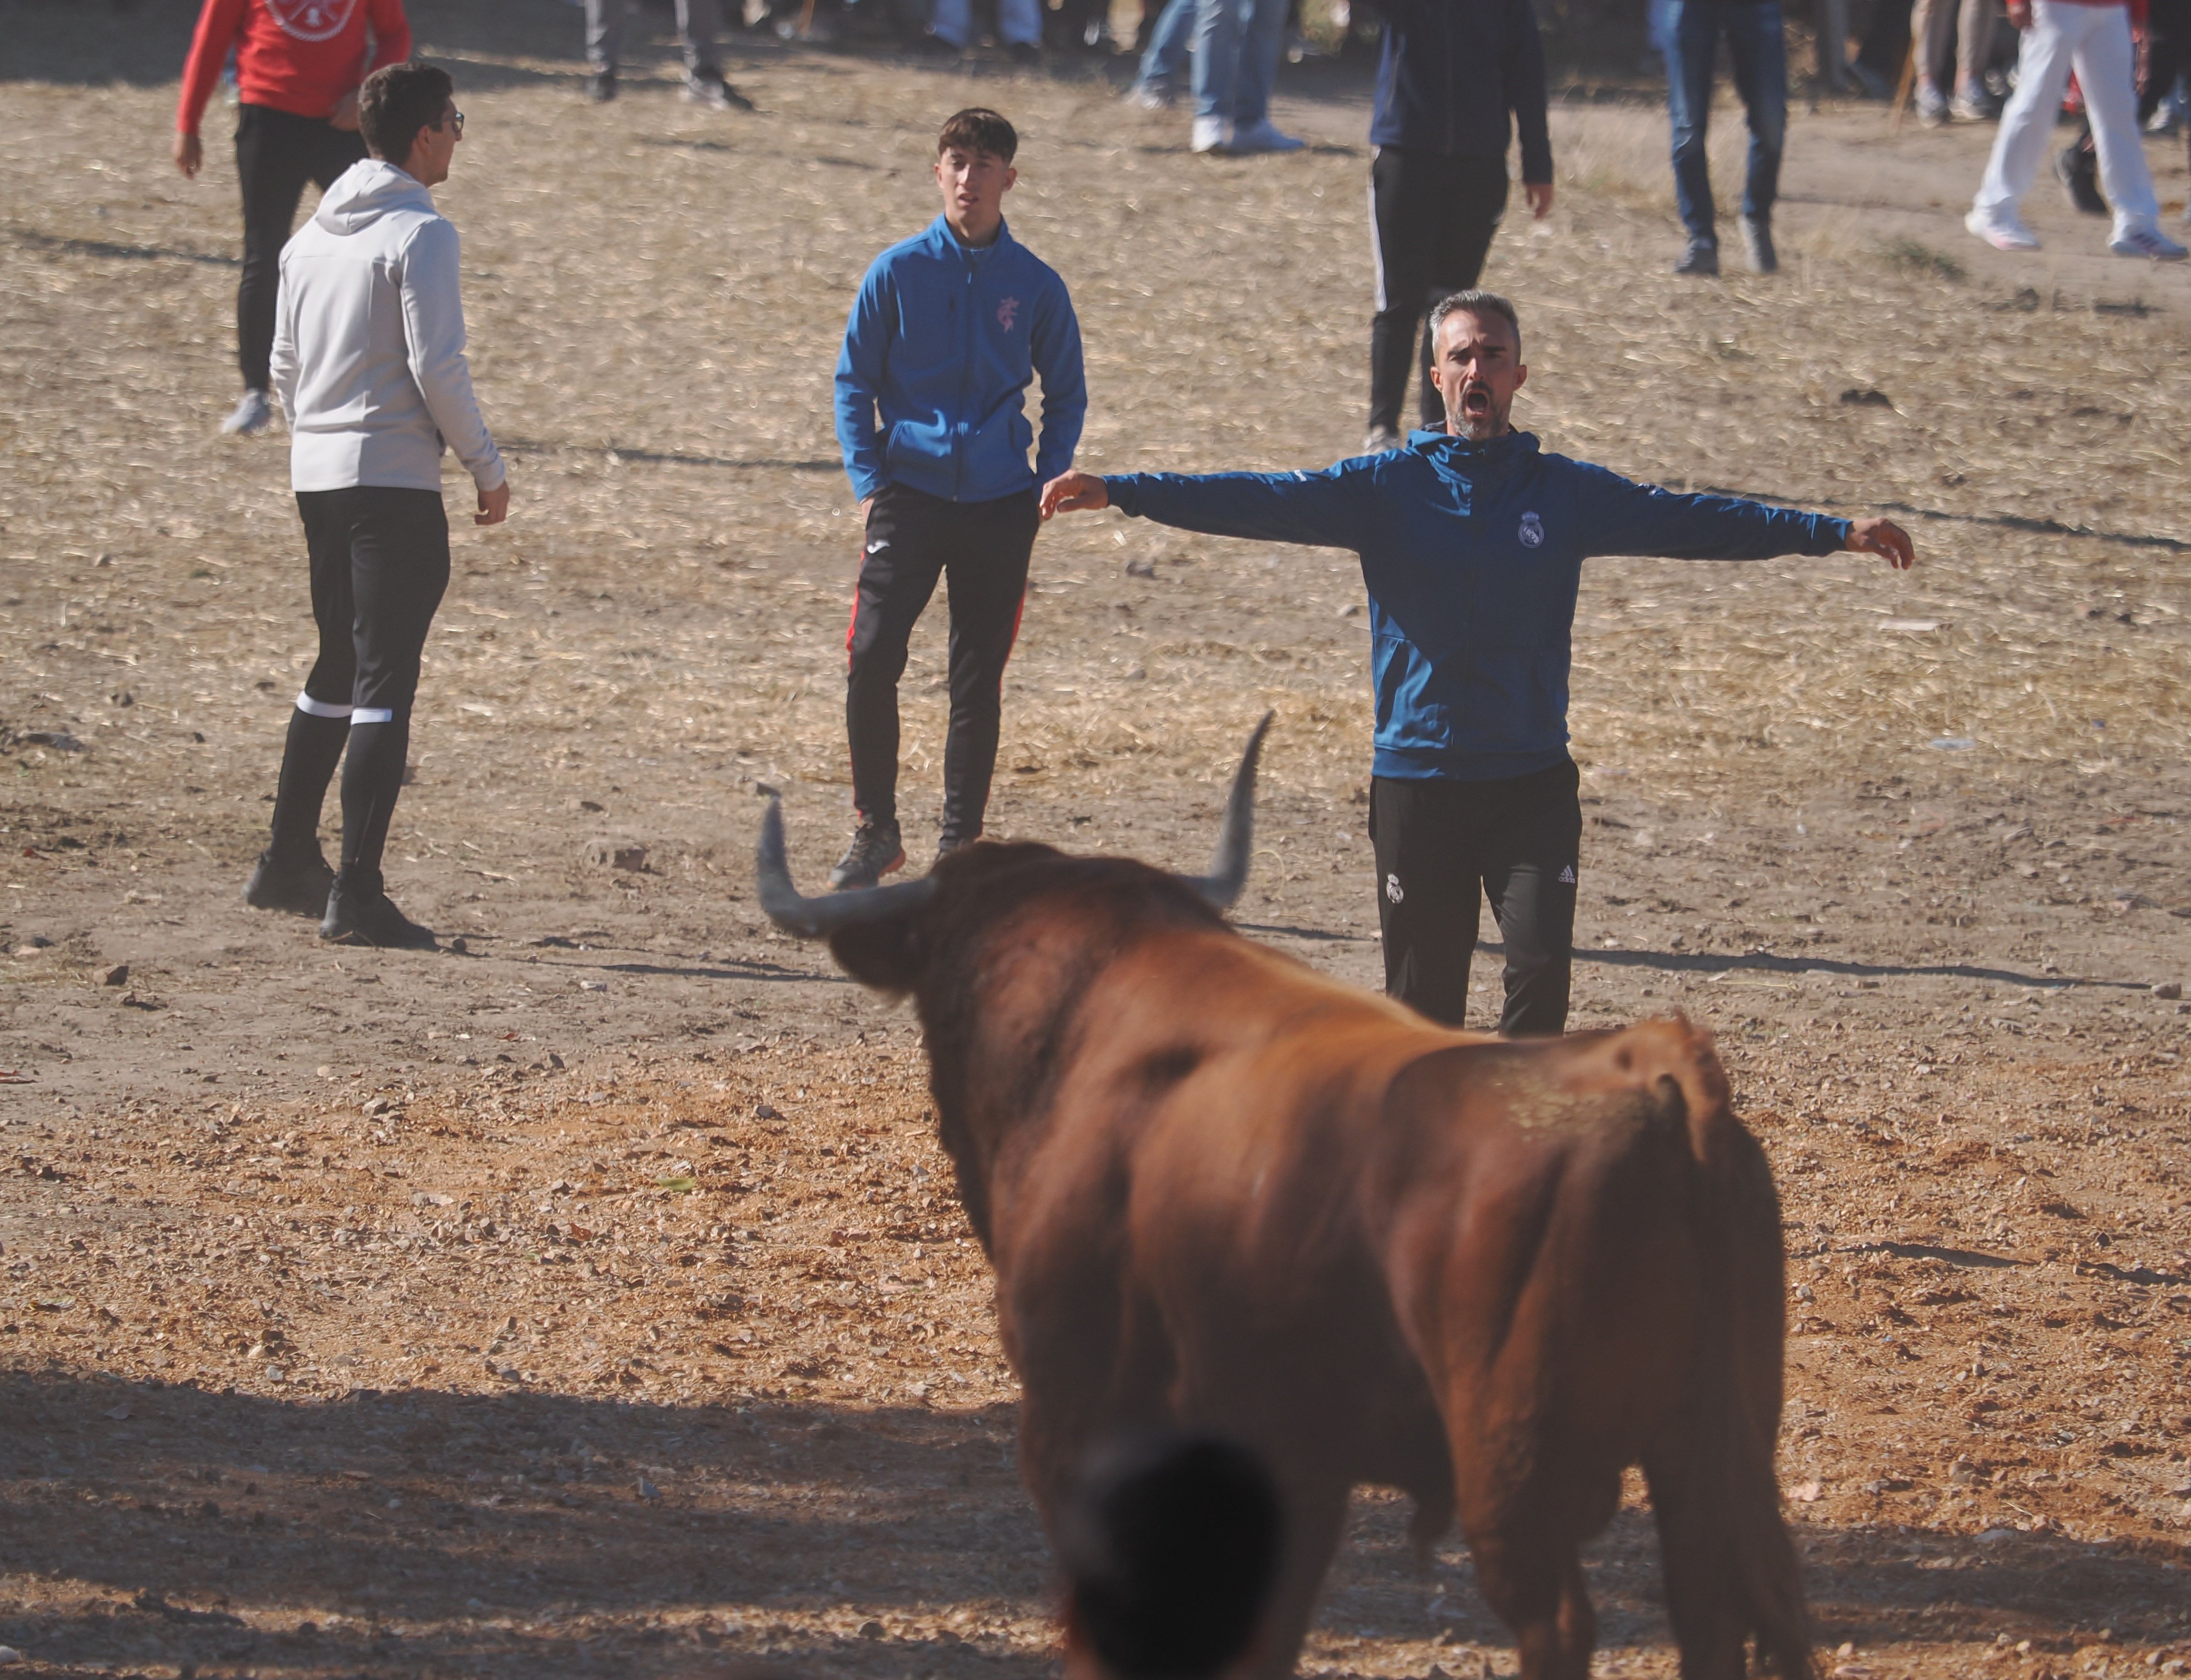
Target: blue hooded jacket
1456, 77
944, 340
1472, 553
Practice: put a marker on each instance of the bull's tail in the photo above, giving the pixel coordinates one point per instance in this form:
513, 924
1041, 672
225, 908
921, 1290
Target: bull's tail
1732, 1574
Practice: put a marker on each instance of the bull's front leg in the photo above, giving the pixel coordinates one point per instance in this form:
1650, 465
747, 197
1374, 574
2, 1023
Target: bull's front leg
1315, 1520
1532, 1576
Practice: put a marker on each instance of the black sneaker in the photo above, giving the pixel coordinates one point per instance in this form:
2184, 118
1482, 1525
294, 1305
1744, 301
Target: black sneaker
299, 886
1701, 258
875, 850
2079, 172
707, 88
1757, 245
360, 914
601, 86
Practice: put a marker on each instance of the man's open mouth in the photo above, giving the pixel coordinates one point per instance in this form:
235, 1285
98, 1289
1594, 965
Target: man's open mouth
1475, 400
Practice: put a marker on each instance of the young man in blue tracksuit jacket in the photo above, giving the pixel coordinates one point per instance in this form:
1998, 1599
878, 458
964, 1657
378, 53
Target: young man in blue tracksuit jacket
1456, 80
948, 331
1472, 543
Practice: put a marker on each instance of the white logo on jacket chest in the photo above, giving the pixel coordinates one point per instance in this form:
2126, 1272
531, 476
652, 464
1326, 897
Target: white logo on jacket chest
1008, 312
1532, 530
312, 20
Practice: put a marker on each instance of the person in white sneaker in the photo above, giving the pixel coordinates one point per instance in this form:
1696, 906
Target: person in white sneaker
1237, 43
2093, 36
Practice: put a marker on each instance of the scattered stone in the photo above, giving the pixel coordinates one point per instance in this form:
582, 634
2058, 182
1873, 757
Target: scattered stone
1141, 568
763, 1111
646, 1490
2171, 990
459, 946
375, 1107
116, 976
872, 1629
9, 1654
608, 854
593, 985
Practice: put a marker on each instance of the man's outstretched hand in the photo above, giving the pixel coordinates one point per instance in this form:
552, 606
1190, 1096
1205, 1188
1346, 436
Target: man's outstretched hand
1880, 537
1074, 492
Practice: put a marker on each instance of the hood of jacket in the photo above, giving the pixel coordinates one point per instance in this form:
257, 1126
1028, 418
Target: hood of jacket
366, 192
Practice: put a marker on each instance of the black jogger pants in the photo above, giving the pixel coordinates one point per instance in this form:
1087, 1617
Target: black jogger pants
1432, 217
1441, 847
913, 539
275, 154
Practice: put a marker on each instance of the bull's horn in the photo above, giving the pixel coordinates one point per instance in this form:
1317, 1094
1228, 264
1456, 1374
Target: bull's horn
1228, 869
817, 917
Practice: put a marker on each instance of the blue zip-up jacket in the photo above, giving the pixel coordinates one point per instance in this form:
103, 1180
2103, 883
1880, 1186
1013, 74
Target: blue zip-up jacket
944, 341
1450, 72
1472, 553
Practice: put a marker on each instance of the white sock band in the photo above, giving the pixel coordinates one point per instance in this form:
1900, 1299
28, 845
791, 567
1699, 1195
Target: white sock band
311, 708
370, 715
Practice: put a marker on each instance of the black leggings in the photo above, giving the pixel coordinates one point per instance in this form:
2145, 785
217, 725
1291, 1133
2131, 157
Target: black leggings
275, 154
1441, 847
380, 563
1432, 217
913, 539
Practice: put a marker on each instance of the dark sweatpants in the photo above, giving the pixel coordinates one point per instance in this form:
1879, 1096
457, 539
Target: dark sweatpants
1441, 847
913, 539
1432, 217
275, 154
380, 563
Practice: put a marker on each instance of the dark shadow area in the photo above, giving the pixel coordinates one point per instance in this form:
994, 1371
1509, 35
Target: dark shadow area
542, 1532
1320, 935
618, 454
1971, 1257
107, 249
1686, 962
517, 1533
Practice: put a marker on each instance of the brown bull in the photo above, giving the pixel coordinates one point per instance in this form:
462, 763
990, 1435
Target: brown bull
1221, 1191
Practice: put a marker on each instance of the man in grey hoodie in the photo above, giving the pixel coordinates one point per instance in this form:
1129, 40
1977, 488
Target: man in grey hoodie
369, 364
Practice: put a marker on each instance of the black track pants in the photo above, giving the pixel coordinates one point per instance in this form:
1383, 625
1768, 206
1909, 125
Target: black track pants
1432, 217
275, 154
1444, 846
380, 562
913, 539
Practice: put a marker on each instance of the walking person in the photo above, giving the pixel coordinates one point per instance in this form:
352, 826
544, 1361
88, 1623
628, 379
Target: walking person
369, 364
1164, 59
1757, 47
699, 24
2093, 36
1456, 78
1237, 43
299, 63
1472, 542
1972, 22
948, 331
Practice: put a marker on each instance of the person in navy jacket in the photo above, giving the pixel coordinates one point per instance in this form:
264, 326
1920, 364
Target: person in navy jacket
948, 331
1472, 541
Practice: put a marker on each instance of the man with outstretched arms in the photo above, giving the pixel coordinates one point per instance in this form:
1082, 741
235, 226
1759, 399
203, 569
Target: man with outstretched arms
948, 331
298, 64
369, 364
1472, 542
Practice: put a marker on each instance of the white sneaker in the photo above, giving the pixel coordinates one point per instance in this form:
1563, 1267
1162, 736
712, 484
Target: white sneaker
1264, 136
253, 414
2148, 241
1209, 134
2001, 235
1931, 105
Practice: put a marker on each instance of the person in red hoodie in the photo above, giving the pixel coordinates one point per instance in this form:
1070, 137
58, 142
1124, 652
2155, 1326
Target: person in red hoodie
299, 66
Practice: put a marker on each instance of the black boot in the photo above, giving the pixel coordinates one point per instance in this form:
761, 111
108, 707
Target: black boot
299, 886
359, 913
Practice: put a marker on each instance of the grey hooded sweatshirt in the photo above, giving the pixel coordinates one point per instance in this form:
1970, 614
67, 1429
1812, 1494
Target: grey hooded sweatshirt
369, 342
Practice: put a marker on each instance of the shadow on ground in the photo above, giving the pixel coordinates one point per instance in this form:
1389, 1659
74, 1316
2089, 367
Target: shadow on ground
437, 1532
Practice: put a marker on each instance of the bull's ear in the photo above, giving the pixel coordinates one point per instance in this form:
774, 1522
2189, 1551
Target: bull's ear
886, 953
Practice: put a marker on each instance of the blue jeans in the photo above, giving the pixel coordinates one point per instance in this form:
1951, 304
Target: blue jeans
1166, 56
1758, 46
1236, 44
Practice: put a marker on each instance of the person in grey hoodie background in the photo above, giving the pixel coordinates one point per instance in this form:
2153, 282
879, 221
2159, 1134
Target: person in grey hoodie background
369, 365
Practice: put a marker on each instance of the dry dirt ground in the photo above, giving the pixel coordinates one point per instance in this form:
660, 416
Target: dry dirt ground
590, 1299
